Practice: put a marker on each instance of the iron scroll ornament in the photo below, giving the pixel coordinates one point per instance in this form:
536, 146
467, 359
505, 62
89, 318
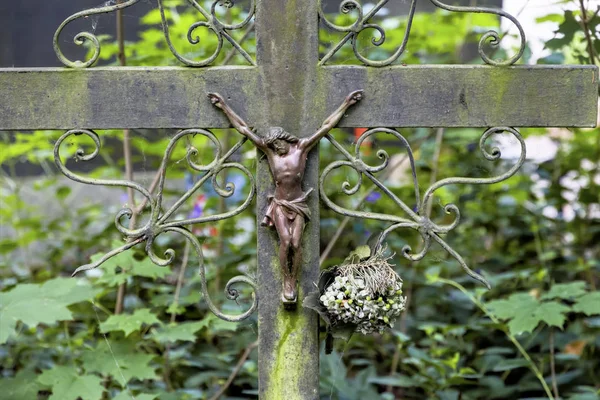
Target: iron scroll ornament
221, 30
416, 219
160, 221
213, 23
362, 23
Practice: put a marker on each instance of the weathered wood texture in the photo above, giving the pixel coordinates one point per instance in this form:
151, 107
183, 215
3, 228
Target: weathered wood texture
122, 97
287, 55
436, 96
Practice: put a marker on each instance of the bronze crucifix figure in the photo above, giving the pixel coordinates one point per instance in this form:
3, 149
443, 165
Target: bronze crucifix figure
287, 211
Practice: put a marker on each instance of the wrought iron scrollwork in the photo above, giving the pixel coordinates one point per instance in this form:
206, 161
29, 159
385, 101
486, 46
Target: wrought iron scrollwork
213, 23
416, 219
492, 37
159, 221
363, 23
82, 37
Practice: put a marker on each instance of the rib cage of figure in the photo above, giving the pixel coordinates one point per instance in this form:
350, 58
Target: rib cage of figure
287, 211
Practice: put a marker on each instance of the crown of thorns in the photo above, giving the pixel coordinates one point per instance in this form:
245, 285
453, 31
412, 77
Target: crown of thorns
277, 133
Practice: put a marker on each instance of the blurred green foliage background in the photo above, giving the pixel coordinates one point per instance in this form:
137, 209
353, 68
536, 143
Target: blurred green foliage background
536, 238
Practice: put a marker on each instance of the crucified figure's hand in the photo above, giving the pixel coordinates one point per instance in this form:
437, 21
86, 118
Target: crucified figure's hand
238, 123
333, 119
216, 99
354, 97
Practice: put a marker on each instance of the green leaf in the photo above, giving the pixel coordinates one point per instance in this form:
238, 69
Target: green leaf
524, 312
396, 381
129, 323
555, 58
122, 361
125, 395
565, 291
516, 304
66, 383
62, 192
507, 365
550, 18
588, 304
218, 325
568, 28
23, 386
41, 304
453, 361
552, 313
184, 331
588, 393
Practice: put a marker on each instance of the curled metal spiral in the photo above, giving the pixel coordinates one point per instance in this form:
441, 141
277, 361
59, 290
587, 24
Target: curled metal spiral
212, 23
416, 219
159, 221
361, 23
82, 37
491, 37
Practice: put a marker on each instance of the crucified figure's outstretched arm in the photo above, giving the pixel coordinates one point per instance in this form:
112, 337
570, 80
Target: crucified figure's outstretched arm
333, 119
238, 123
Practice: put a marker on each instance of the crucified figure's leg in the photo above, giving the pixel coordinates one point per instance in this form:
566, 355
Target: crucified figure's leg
296, 233
283, 227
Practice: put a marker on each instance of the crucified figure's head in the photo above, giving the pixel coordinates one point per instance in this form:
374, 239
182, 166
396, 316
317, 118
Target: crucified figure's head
279, 140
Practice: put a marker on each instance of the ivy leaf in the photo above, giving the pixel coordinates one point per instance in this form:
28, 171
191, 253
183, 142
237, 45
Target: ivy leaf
185, 331
23, 386
219, 325
516, 303
122, 361
566, 291
124, 265
67, 384
568, 28
589, 304
35, 304
552, 313
129, 323
524, 312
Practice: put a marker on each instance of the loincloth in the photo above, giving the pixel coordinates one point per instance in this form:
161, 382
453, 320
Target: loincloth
290, 208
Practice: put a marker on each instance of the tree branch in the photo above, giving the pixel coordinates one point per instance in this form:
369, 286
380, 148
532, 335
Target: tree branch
236, 370
184, 263
552, 366
586, 31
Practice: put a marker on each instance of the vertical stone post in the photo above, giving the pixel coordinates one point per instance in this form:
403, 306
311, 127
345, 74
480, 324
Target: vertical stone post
287, 56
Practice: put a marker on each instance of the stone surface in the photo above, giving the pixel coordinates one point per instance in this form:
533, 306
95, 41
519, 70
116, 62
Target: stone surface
415, 96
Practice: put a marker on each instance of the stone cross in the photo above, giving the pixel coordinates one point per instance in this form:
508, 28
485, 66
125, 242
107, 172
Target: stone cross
290, 86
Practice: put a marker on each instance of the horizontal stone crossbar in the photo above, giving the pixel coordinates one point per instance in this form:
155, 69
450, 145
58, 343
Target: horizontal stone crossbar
400, 96
470, 96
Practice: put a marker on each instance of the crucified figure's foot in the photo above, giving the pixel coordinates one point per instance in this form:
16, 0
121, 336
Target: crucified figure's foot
289, 296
